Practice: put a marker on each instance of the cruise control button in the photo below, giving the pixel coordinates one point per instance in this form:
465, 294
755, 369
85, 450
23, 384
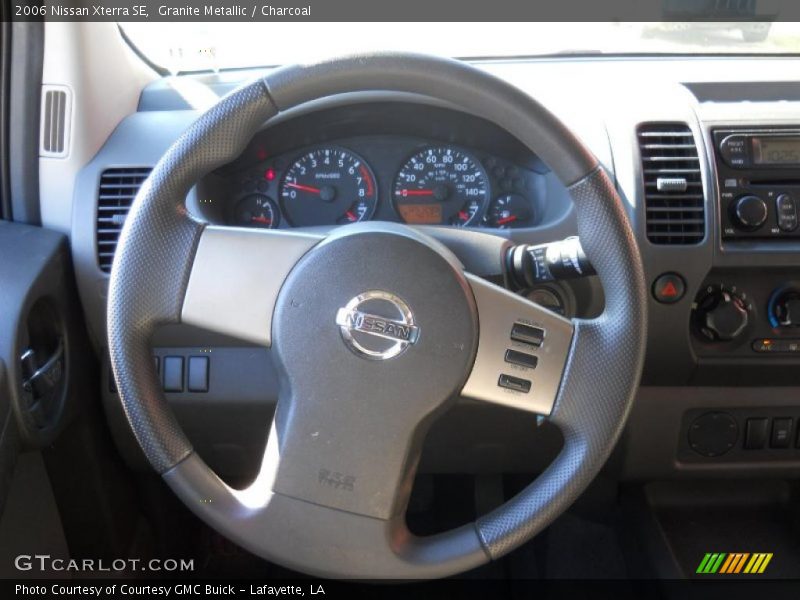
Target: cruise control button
521, 359
669, 288
527, 334
514, 383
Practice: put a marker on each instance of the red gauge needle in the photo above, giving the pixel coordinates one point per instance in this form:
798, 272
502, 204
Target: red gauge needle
463, 216
264, 220
350, 216
305, 188
416, 192
506, 220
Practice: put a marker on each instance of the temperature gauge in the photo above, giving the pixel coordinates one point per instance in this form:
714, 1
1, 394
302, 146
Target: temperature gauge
257, 210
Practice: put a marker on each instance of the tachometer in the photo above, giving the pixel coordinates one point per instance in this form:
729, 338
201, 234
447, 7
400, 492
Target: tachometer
441, 185
328, 185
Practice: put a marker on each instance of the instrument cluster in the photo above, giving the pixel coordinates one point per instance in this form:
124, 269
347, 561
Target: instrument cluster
398, 178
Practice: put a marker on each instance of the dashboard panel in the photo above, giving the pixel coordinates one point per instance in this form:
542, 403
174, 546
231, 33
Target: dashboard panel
414, 164
687, 374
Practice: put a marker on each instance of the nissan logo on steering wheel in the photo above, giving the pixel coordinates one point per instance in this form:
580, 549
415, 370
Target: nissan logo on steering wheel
377, 325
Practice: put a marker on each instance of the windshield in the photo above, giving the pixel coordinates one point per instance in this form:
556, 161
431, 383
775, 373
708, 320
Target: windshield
183, 47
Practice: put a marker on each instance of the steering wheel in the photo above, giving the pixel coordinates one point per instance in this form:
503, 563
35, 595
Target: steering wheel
376, 329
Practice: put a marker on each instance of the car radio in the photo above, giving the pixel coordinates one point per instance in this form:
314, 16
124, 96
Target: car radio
759, 182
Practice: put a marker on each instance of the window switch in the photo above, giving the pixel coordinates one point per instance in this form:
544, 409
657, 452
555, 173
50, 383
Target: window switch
198, 373
172, 372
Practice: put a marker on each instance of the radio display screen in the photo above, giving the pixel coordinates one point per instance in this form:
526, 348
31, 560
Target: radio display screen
776, 150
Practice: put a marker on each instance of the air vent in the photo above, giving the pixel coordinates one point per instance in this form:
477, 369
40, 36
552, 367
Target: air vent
56, 111
118, 188
673, 187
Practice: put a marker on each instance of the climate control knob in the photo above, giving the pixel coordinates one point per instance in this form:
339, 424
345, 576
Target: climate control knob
784, 307
750, 212
721, 315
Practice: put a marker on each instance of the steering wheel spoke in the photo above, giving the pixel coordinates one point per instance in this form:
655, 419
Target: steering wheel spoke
331, 448
314, 516
311, 537
236, 276
522, 350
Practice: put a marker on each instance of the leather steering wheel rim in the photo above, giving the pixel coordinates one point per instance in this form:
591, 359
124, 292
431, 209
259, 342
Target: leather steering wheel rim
153, 268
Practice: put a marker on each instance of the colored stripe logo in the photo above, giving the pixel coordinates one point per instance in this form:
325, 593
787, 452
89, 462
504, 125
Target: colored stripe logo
734, 563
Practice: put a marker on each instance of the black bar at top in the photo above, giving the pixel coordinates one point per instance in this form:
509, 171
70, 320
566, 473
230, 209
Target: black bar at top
402, 10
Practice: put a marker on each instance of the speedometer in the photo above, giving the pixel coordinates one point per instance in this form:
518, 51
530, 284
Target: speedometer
441, 185
328, 185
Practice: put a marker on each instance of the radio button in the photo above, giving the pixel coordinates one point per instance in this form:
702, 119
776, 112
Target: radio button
750, 212
786, 208
734, 150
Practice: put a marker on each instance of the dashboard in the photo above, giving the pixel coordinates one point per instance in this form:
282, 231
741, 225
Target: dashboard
390, 162
719, 239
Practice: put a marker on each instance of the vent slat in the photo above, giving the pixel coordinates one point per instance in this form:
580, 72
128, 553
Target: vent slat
118, 188
116, 206
667, 146
133, 174
684, 221
669, 209
58, 120
48, 122
122, 186
670, 158
669, 150
665, 196
664, 235
677, 134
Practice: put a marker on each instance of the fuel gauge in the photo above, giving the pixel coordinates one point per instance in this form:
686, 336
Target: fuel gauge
509, 210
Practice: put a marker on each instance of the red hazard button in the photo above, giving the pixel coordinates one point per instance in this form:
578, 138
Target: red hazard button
669, 288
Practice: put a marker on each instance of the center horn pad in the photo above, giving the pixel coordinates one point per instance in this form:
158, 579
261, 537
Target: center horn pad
374, 331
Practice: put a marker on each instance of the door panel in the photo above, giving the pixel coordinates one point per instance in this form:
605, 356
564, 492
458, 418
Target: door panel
43, 347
